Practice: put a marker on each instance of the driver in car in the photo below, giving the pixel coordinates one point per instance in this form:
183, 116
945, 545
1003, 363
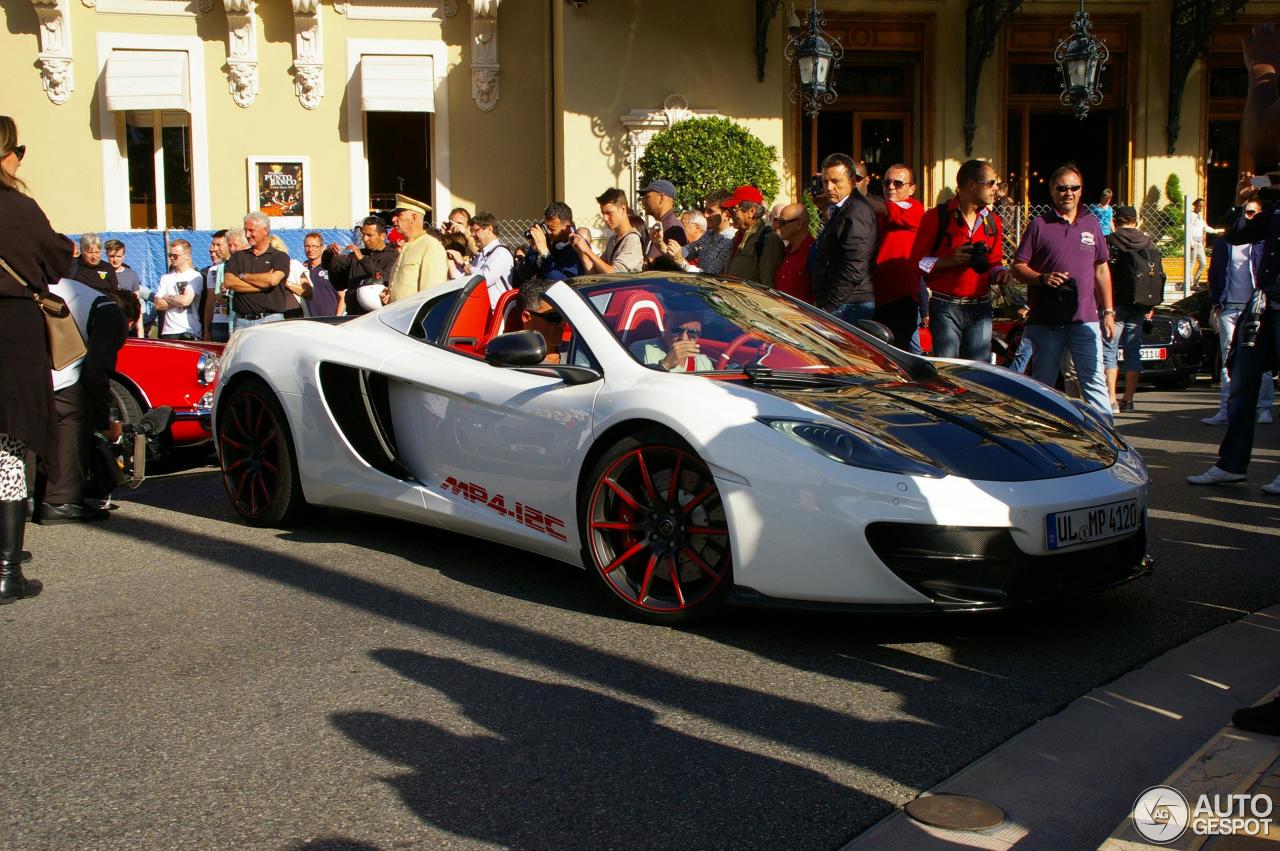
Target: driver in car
678, 349
537, 314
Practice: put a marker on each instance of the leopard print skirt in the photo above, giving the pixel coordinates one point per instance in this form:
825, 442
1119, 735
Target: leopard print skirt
13, 473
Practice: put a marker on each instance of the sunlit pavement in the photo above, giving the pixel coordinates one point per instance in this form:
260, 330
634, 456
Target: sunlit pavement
185, 681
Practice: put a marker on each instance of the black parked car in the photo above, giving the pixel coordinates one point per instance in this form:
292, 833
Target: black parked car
1174, 343
1198, 305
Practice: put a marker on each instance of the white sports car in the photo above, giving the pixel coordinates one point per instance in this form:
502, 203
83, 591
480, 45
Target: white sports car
689, 440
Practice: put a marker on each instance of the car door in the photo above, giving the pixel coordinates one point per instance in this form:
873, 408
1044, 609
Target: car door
504, 444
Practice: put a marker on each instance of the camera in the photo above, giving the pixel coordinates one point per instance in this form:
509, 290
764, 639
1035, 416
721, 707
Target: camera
979, 256
1268, 186
528, 235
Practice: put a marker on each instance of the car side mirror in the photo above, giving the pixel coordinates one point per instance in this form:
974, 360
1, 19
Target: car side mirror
876, 329
516, 348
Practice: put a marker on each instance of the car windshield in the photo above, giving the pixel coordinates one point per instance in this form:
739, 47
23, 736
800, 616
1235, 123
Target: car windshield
704, 324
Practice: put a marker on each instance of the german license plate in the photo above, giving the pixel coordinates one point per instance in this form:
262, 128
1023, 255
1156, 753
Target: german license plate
1153, 353
1086, 525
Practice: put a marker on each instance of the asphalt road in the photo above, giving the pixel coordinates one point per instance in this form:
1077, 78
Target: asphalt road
187, 682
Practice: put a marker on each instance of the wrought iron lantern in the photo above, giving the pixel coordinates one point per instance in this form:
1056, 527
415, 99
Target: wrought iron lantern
816, 55
1080, 59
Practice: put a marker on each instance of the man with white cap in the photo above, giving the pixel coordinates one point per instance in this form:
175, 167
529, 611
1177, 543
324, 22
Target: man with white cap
422, 263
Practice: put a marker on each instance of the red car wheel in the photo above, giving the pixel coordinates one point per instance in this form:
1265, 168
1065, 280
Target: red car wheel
258, 467
656, 534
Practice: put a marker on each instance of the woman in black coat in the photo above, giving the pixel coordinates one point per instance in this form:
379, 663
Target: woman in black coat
39, 256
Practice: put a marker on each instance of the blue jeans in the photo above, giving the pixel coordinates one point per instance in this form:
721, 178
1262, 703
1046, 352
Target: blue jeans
242, 323
960, 330
1246, 373
1227, 320
852, 312
1022, 357
1128, 336
1084, 340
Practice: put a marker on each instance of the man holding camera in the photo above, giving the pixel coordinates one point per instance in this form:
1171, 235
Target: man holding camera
1063, 261
551, 255
959, 250
178, 295
1257, 335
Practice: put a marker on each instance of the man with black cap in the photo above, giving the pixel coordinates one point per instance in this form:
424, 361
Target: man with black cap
423, 263
1137, 285
659, 201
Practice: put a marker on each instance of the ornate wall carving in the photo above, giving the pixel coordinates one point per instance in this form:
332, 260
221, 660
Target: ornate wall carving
643, 124
55, 48
484, 53
242, 51
308, 53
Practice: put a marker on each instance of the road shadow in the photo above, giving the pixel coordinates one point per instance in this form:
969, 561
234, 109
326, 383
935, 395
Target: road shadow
560, 766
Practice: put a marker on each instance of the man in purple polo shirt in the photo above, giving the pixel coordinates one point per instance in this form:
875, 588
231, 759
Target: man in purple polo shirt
1061, 249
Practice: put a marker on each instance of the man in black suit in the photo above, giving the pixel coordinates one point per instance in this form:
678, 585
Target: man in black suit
842, 262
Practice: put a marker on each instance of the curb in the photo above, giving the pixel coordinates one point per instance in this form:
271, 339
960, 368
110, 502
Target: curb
1066, 782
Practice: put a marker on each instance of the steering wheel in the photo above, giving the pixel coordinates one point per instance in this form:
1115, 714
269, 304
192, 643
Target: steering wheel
730, 350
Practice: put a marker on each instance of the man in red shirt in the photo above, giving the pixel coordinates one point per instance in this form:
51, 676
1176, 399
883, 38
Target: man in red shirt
895, 279
959, 250
793, 274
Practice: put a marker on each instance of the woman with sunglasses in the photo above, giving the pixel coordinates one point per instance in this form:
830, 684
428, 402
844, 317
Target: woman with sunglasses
34, 257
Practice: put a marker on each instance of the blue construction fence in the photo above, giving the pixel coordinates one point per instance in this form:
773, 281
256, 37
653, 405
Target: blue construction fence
145, 250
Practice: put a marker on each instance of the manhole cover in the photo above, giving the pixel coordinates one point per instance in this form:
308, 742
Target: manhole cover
954, 812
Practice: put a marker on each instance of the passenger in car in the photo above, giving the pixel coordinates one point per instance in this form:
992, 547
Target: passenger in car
537, 314
678, 349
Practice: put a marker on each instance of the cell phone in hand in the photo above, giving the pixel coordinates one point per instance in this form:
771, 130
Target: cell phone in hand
1262, 181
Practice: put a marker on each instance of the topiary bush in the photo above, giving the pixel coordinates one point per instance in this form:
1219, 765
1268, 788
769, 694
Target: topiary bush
699, 155
1173, 237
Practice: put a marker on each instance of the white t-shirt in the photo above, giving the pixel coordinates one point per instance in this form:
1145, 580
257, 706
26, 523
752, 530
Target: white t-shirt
176, 320
1196, 227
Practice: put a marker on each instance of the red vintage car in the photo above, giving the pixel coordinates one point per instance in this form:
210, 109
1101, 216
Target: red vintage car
182, 375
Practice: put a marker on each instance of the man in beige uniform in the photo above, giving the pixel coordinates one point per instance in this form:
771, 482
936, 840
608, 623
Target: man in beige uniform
422, 263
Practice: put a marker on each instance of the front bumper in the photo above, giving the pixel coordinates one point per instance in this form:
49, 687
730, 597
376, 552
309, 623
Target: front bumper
971, 568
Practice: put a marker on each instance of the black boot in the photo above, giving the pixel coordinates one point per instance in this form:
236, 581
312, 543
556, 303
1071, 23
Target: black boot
1259, 719
13, 585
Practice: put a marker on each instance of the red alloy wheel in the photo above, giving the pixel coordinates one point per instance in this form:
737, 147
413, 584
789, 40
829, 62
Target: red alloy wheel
657, 533
257, 465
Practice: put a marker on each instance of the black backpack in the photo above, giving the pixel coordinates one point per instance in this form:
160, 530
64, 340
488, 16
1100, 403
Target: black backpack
1137, 275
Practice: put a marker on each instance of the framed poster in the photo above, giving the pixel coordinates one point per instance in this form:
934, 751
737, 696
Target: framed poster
278, 187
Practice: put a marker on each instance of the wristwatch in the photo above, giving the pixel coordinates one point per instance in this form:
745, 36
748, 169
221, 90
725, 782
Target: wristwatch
1108, 313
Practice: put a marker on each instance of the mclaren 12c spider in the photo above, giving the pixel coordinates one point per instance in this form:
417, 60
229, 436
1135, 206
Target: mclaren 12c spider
689, 440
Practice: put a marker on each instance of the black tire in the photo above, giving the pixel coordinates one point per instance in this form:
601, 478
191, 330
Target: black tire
258, 461
655, 536
124, 407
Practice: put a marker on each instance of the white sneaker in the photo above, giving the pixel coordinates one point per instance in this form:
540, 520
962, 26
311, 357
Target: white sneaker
1215, 475
1273, 488
1219, 418
1264, 416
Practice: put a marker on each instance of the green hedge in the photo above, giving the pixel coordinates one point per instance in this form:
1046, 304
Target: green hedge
700, 155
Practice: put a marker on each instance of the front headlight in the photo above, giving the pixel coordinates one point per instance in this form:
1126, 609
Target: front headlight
207, 368
851, 446
1183, 327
